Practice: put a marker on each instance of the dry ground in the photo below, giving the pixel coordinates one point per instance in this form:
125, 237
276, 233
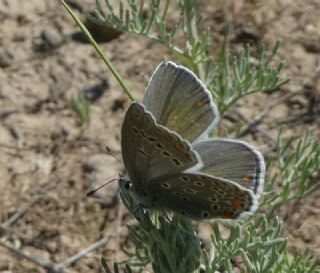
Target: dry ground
47, 161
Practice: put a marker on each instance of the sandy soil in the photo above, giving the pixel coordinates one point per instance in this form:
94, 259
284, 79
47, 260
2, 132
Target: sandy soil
47, 161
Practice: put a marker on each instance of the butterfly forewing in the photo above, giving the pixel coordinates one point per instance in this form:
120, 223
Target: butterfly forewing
180, 102
201, 196
233, 160
150, 150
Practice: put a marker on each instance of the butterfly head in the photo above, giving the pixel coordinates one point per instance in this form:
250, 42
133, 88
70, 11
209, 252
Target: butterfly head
139, 195
125, 184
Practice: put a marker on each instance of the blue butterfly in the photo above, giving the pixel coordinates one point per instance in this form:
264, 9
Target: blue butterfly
171, 162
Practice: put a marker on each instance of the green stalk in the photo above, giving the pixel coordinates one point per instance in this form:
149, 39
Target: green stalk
98, 49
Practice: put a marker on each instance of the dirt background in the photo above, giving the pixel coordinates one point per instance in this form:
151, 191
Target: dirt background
48, 162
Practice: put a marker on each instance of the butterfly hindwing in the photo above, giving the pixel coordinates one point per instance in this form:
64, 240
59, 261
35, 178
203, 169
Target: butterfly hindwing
180, 101
233, 160
202, 196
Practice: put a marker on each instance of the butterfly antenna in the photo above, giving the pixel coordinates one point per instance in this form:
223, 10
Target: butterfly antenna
113, 155
90, 193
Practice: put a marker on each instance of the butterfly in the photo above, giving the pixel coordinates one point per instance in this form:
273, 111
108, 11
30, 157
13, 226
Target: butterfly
171, 162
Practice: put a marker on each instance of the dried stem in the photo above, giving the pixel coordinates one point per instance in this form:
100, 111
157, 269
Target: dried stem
257, 120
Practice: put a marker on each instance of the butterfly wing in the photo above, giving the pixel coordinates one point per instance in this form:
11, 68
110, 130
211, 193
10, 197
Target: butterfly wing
202, 196
233, 160
180, 102
150, 150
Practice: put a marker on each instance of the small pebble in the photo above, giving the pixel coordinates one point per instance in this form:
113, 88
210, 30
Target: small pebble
97, 170
94, 92
310, 29
52, 37
3, 15
6, 58
59, 86
49, 39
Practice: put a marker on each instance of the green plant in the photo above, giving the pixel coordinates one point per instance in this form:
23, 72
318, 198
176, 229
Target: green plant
296, 164
255, 245
81, 107
229, 78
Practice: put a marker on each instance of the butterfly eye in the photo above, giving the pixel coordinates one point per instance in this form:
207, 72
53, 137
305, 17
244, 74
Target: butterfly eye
127, 185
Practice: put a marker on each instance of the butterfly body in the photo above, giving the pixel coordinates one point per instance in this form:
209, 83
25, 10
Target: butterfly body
170, 163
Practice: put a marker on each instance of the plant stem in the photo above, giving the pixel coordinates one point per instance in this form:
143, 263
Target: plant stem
98, 49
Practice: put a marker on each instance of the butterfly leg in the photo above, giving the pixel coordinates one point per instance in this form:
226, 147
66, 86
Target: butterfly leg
137, 210
166, 216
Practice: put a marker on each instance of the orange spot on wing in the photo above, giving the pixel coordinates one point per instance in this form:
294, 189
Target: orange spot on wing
236, 203
179, 146
199, 103
246, 178
227, 215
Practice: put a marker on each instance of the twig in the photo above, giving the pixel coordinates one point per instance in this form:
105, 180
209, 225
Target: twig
18, 234
301, 118
19, 214
44, 264
308, 81
266, 134
82, 253
42, 190
258, 128
118, 226
52, 267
